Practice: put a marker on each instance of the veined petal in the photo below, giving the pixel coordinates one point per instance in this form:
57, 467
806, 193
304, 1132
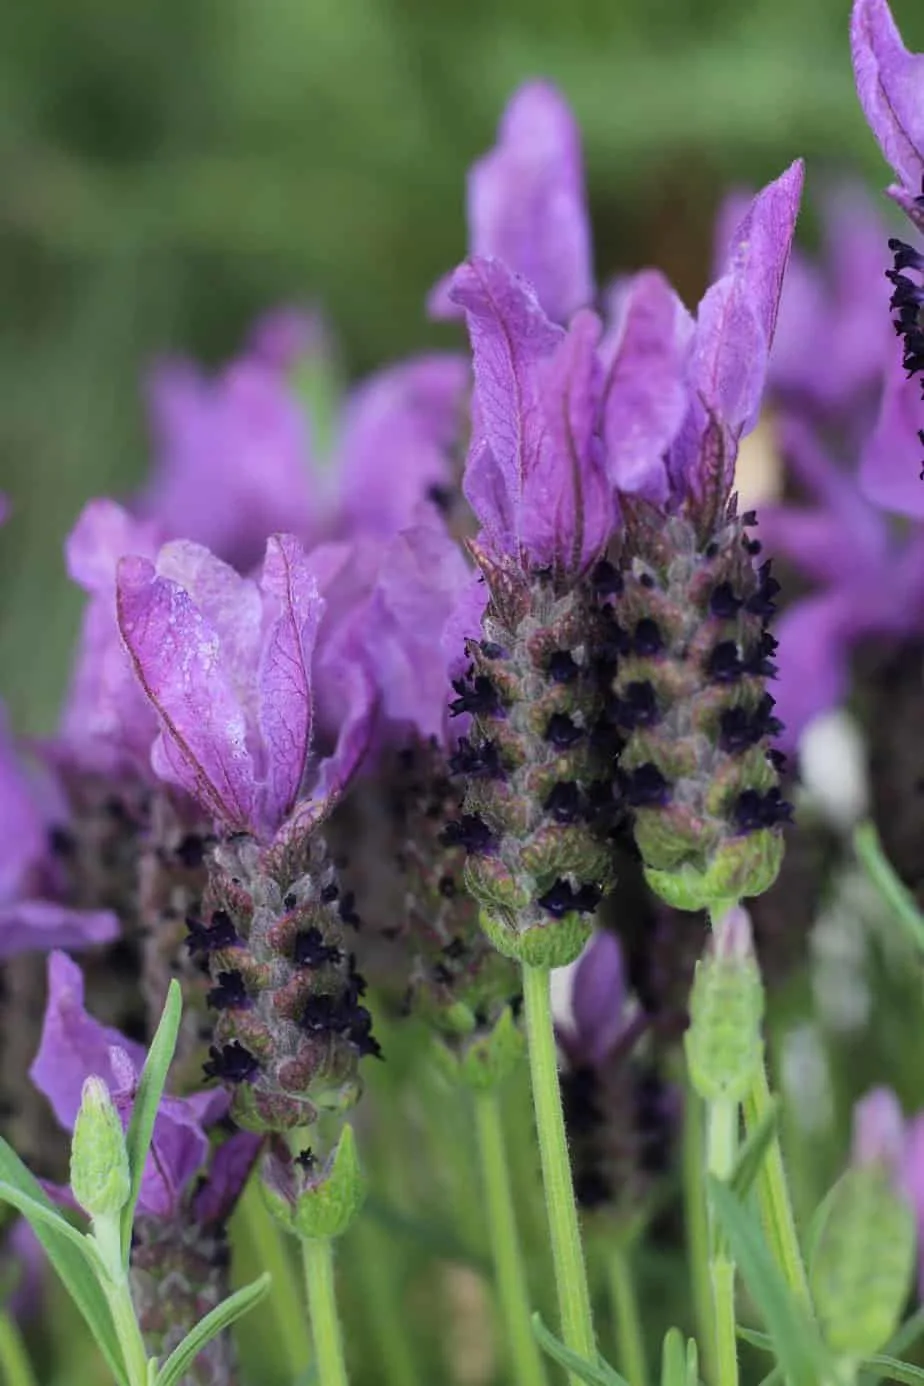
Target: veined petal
179, 661
889, 84
890, 465
285, 696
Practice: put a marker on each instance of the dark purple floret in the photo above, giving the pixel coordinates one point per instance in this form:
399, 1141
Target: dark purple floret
754, 810
209, 938
762, 602
329, 893
61, 841
307, 1160
563, 899
564, 802
360, 1033
231, 1063
470, 832
606, 579
646, 787
190, 850
347, 910
562, 667
723, 602
311, 951
759, 662
580, 1097
483, 760
753, 547
491, 650
647, 637
561, 731
441, 497
478, 696
638, 706
230, 993
740, 728
333, 1013
724, 663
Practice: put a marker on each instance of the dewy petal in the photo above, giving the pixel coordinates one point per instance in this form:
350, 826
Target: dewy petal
567, 499
645, 396
74, 1046
178, 659
890, 83
527, 205
285, 697
510, 336
890, 466
399, 431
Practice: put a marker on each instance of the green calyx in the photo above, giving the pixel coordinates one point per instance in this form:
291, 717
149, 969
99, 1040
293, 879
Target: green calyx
724, 1046
741, 867
485, 1061
100, 1176
322, 1205
552, 944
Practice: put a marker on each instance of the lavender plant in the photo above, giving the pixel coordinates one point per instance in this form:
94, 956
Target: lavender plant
375, 699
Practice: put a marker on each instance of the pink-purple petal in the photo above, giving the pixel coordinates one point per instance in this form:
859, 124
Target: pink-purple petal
889, 84
890, 465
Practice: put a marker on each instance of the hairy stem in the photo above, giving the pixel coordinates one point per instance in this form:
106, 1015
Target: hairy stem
567, 1252
773, 1195
318, 1262
630, 1342
721, 1141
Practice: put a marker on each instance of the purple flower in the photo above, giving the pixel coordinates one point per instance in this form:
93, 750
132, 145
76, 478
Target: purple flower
282, 337
832, 333
107, 726
526, 205
398, 431
226, 664
74, 1046
598, 1003
421, 579
535, 476
735, 325
890, 81
233, 457
29, 806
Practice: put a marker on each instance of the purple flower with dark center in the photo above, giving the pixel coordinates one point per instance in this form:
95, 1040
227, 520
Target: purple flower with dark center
526, 205
889, 82
226, 664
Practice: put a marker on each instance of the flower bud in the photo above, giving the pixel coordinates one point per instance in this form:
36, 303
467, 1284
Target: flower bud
100, 1175
864, 1260
487, 1057
723, 1044
311, 1199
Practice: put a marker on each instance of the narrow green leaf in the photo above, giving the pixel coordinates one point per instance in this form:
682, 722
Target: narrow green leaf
762, 1341
773, 1378
595, 1374
673, 1359
752, 1154
796, 1343
147, 1100
900, 1343
68, 1252
893, 891
896, 1371
221, 1317
692, 1363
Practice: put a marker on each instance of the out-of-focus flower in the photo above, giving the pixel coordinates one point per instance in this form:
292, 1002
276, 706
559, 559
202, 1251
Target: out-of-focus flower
526, 205
889, 80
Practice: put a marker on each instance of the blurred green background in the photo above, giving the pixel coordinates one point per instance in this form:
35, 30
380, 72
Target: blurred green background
167, 171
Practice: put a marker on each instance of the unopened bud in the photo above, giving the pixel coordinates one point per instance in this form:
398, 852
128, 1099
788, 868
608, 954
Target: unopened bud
863, 1263
485, 1059
723, 1043
100, 1175
315, 1200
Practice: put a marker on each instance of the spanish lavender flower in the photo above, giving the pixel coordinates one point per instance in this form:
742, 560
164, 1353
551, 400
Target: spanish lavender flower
536, 483
526, 205
690, 620
226, 663
180, 1254
619, 1111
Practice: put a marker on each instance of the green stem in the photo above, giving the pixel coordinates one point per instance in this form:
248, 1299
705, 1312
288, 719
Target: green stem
15, 1364
271, 1250
892, 890
697, 1227
630, 1343
722, 1139
134, 1352
567, 1253
318, 1261
381, 1299
773, 1195
525, 1356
